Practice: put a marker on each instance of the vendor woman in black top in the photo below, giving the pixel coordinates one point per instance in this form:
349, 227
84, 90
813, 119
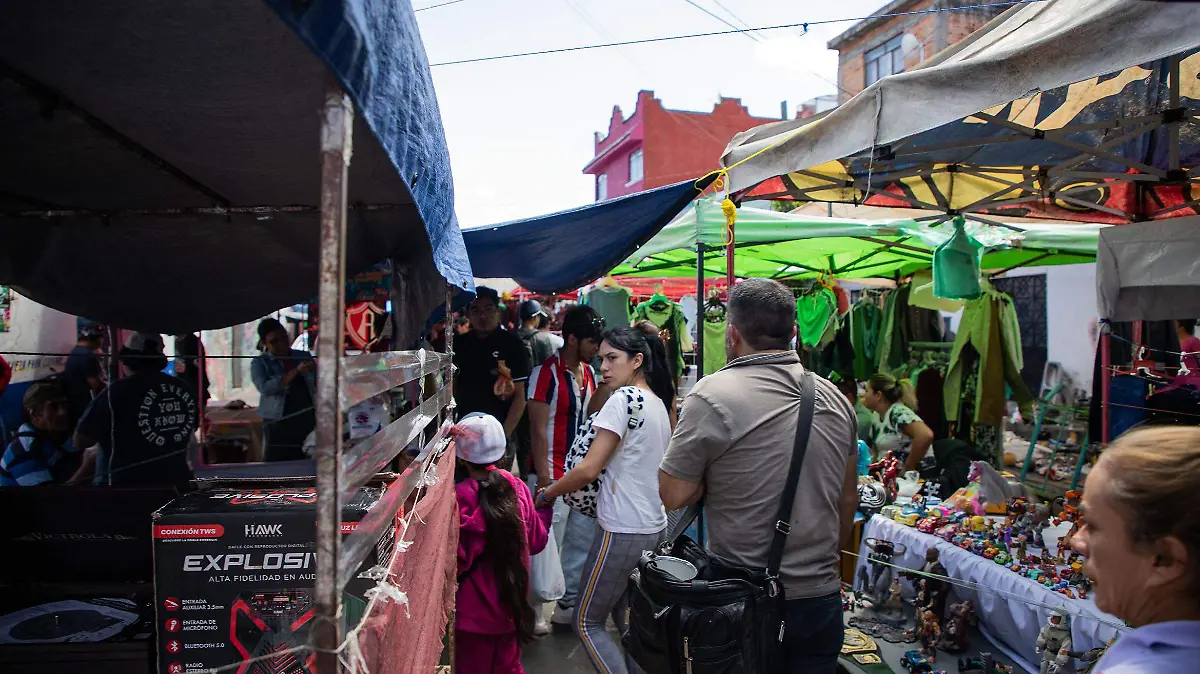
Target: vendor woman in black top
286, 379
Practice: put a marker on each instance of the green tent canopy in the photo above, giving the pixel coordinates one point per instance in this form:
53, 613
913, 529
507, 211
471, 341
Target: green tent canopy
791, 246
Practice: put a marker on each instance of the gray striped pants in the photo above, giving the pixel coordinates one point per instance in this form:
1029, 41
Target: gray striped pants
605, 580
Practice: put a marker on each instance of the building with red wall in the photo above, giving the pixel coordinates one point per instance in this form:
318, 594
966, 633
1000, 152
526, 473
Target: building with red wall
656, 146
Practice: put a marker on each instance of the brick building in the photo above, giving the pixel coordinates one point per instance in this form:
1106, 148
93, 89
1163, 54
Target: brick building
876, 47
655, 146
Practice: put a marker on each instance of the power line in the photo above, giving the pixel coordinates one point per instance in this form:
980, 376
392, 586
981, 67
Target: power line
668, 38
748, 34
451, 2
730, 13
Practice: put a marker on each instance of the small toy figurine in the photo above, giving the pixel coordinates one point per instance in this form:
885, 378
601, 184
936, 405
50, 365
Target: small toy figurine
931, 590
957, 635
886, 470
873, 584
929, 631
1053, 644
894, 602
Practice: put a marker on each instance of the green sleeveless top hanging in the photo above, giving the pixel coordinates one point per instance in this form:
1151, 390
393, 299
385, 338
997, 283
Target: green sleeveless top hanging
956, 265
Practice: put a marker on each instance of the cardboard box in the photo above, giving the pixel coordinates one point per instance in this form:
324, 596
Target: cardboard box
234, 576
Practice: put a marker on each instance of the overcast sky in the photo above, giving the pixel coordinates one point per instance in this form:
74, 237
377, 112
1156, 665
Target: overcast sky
520, 130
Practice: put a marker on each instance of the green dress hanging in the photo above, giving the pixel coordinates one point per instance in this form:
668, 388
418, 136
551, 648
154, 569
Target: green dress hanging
714, 345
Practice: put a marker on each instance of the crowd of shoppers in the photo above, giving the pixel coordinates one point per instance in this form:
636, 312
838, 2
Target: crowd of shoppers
651, 460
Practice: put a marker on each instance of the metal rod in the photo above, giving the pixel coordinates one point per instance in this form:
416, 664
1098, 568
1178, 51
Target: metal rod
337, 116
1106, 382
203, 403
1173, 128
1026, 263
700, 302
264, 212
894, 244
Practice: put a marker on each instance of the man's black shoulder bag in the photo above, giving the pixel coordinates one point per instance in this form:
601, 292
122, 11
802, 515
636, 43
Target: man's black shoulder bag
730, 618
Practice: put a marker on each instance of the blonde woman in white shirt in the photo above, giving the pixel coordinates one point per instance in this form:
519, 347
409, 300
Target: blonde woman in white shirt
632, 432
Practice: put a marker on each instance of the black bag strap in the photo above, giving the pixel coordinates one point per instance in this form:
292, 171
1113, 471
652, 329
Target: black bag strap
808, 403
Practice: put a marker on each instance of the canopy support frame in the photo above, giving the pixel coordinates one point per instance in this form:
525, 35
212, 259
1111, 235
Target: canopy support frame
337, 122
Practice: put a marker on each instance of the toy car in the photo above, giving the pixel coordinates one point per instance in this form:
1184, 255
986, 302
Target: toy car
929, 524
990, 553
946, 532
1002, 558
915, 661
908, 519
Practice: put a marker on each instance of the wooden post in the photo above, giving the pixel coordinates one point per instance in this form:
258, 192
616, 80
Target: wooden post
337, 119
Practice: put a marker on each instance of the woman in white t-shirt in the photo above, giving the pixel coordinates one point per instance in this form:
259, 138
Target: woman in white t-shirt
897, 428
632, 432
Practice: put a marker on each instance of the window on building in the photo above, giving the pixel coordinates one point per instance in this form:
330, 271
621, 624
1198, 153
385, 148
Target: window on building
886, 59
635, 166
602, 187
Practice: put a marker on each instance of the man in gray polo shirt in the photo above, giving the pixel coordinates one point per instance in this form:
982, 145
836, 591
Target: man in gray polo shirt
732, 447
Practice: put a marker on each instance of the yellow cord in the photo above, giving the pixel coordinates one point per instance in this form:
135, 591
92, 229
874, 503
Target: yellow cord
730, 210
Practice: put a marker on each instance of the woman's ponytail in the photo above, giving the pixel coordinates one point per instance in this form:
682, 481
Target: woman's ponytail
505, 541
658, 372
894, 390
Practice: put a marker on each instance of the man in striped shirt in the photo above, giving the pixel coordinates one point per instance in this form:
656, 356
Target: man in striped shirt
559, 392
40, 452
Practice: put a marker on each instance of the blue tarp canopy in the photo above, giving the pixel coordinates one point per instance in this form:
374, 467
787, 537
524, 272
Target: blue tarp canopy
566, 250
161, 165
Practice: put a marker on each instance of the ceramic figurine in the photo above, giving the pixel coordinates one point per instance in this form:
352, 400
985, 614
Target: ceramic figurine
1053, 644
894, 603
957, 635
929, 631
931, 589
875, 577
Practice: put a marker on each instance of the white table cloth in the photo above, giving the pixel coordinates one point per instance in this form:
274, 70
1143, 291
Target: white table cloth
1011, 608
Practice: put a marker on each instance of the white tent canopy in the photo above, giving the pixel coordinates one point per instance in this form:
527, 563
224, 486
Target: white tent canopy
1027, 50
1149, 271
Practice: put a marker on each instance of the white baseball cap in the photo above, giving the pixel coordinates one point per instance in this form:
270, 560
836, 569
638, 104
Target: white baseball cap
480, 440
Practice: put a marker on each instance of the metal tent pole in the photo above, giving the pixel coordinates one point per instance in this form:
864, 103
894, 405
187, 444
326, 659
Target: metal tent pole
729, 250
1105, 383
337, 116
700, 301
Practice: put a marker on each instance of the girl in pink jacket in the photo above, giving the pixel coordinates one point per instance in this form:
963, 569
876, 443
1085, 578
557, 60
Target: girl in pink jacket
499, 529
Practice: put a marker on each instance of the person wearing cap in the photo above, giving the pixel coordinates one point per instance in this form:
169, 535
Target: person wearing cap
40, 452
493, 366
83, 377
499, 528
286, 381
142, 422
534, 333
540, 345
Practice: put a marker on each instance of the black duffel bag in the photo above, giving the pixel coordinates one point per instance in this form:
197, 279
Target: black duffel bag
730, 618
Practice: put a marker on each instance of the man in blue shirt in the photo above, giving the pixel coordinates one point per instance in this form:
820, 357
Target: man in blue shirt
40, 452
